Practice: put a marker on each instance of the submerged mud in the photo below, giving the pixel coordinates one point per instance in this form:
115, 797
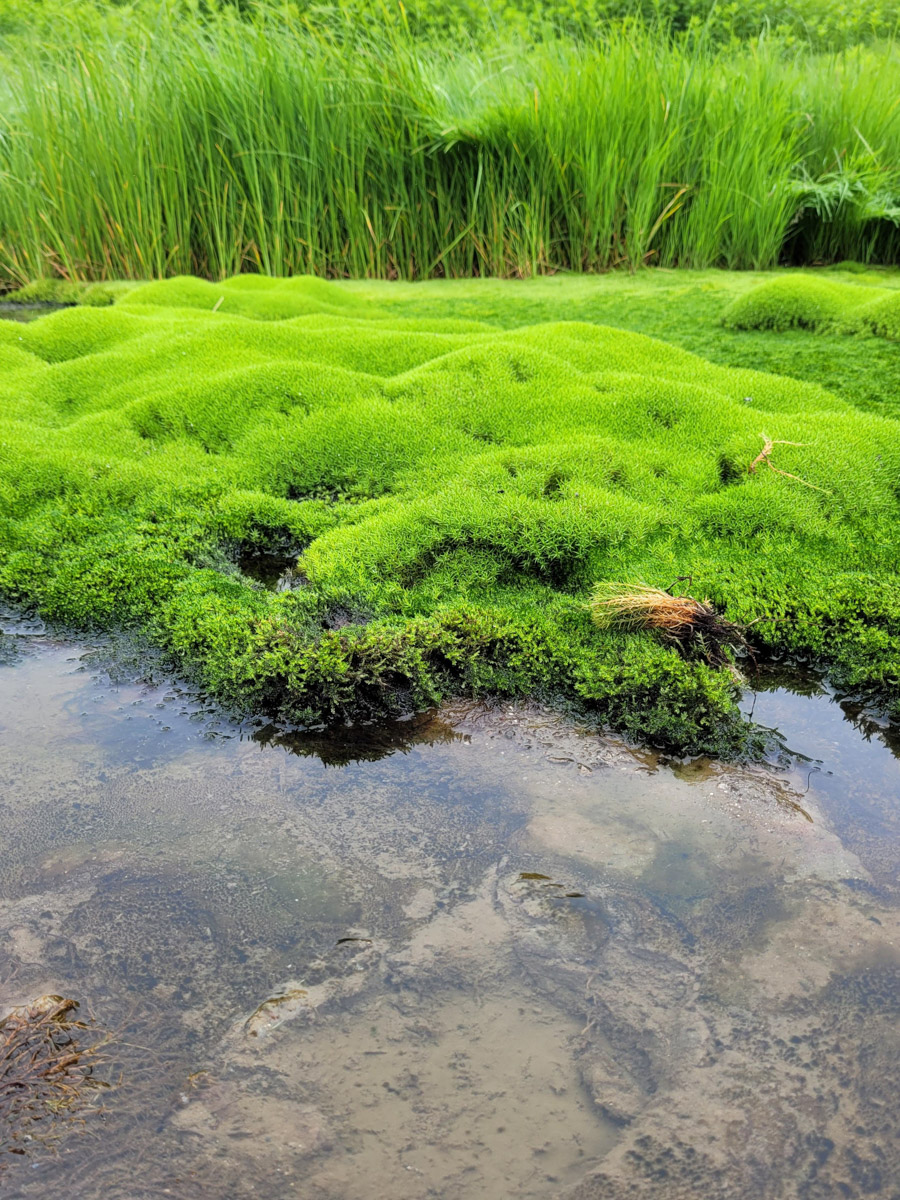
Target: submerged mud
486, 954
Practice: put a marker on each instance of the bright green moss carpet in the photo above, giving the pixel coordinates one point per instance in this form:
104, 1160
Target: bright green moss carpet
454, 490
805, 302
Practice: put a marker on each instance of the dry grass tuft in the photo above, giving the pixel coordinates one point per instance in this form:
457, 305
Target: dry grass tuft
694, 626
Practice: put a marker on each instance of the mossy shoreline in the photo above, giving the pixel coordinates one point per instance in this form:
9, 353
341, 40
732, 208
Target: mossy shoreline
453, 490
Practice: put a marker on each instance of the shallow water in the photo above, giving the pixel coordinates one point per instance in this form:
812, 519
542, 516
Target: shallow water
26, 312
476, 953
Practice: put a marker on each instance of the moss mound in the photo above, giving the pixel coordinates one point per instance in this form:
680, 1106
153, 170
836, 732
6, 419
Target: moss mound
806, 302
64, 291
450, 493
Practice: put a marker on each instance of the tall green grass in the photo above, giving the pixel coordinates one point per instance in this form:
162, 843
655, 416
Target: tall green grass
162, 144
822, 24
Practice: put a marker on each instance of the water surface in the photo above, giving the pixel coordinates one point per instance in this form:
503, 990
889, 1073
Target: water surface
477, 953
10, 311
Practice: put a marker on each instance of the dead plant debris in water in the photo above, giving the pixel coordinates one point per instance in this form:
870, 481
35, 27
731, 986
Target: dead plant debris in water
48, 1060
693, 626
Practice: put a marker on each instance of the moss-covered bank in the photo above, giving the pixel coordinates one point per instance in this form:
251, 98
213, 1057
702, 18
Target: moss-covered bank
453, 491
807, 302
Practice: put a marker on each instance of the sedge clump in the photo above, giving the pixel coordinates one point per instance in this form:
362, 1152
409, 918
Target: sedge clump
694, 627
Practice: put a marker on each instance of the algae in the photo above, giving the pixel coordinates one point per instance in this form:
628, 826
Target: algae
456, 491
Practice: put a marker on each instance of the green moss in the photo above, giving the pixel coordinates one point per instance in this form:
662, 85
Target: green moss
682, 307
453, 491
65, 291
808, 302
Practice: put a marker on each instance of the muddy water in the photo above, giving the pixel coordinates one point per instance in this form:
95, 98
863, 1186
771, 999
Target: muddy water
479, 953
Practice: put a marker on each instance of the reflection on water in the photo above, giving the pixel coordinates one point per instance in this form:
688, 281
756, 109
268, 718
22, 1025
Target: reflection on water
26, 312
848, 756
338, 746
277, 572
514, 960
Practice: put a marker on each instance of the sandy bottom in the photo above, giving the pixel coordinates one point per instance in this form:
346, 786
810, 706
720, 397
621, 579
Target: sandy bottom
495, 955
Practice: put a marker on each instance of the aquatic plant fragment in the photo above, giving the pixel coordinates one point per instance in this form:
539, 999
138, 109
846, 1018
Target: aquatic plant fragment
765, 456
48, 1060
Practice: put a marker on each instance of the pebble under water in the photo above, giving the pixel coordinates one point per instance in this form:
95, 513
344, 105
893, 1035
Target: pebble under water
482, 952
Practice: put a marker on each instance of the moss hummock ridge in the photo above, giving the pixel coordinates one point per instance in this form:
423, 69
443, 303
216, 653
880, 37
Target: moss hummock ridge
65, 291
451, 492
809, 302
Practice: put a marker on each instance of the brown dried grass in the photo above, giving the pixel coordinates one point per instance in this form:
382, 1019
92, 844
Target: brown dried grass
693, 626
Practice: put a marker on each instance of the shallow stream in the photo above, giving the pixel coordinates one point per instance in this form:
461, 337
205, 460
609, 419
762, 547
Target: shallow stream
11, 311
479, 953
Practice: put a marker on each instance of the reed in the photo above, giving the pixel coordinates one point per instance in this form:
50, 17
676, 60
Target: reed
160, 143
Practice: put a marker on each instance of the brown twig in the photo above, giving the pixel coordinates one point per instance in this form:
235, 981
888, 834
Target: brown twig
764, 457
